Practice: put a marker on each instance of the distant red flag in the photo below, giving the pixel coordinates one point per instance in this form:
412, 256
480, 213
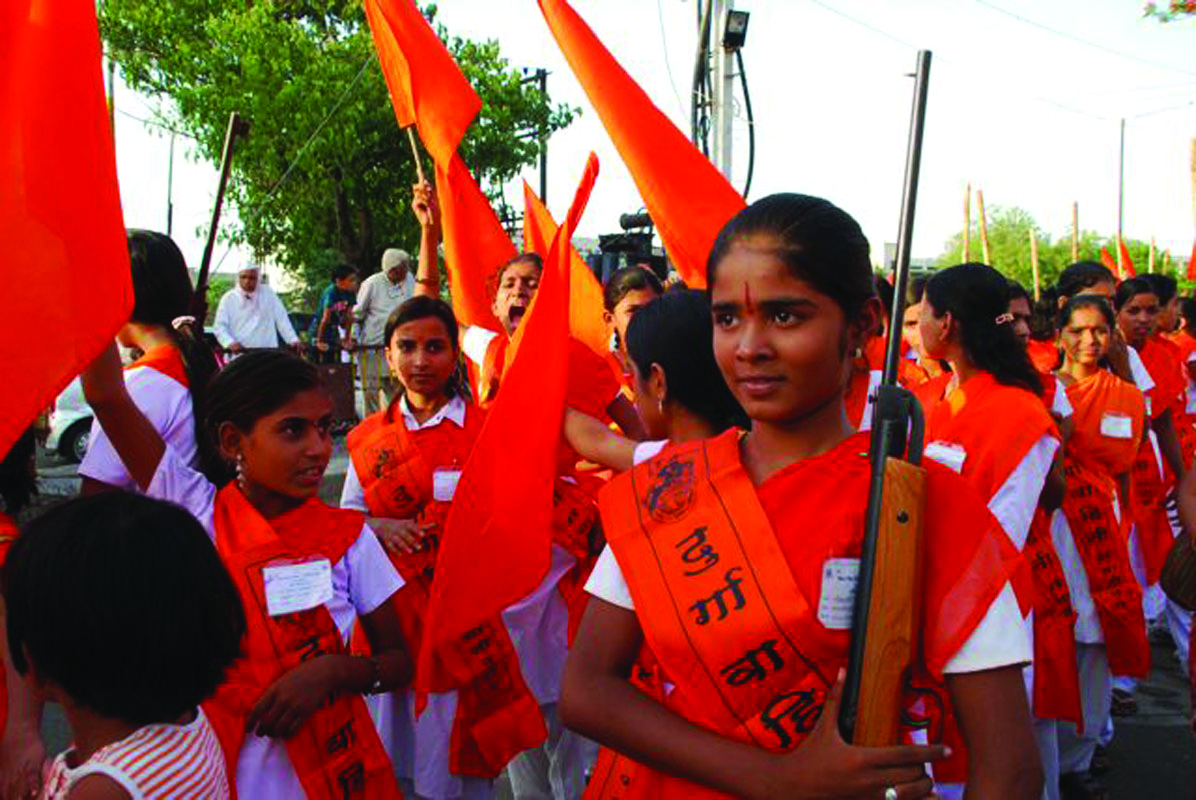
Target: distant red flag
586, 323
1107, 259
426, 87
60, 218
497, 541
1127, 263
475, 244
688, 199
1192, 263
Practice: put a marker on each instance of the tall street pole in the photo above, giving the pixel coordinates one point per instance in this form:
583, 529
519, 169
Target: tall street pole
1120, 197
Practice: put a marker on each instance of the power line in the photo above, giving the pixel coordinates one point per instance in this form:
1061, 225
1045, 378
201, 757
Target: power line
664, 46
1083, 41
156, 124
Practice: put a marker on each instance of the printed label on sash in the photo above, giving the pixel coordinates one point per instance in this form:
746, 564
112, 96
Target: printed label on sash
1116, 425
444, 484
297, 587
837, 597
948, 454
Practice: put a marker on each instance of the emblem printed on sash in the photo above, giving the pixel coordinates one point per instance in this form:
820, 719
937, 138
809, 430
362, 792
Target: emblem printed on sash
671, 494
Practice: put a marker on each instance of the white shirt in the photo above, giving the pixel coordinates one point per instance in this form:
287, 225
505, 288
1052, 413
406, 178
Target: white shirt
166, 403
352, 495
362, 581
1060, 406
376, 299
253, 320
475, 342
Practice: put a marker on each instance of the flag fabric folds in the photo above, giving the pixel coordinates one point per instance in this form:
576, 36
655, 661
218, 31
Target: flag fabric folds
1127, 263
1110, 263
60, 215
586, 323
1192, 263
688, 199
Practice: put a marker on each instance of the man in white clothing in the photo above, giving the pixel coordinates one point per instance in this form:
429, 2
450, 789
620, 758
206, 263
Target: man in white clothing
380, 294
250, 315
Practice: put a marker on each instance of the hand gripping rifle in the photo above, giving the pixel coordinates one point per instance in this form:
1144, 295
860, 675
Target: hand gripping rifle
199, 300
886, 621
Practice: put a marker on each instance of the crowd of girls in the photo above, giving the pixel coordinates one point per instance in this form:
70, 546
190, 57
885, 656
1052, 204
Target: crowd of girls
212, 629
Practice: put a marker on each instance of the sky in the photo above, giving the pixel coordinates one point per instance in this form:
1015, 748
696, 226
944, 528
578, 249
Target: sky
1024, 103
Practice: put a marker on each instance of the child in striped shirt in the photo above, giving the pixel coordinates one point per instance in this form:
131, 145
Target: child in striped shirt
119, 609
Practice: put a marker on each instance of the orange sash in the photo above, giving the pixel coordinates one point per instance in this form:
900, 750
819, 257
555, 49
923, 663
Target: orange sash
497, 717
729, 607
931, 393
165, 359
1092, 459
337, 753
1056, 682
1147, 503
1044, 355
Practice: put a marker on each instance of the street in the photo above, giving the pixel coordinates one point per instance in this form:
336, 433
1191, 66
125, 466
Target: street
1153, 754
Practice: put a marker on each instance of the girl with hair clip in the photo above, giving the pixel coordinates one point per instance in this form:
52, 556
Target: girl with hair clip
710, 536
990, 424
405, 465
627, 290
1090, 532
291, 715
169, 380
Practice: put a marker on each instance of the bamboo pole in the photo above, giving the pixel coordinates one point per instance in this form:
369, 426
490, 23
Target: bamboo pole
967, 224
1120, 268
1034, 263
1150, 259
983, 227
419, 167
1075, 231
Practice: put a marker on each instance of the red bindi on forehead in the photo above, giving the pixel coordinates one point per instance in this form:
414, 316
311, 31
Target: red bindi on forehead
748, 305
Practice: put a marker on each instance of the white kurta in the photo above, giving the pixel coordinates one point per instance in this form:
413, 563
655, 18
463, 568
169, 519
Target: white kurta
255, 320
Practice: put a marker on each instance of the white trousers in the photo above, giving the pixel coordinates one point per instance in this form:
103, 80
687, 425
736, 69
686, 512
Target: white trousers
1075, 748
557, 769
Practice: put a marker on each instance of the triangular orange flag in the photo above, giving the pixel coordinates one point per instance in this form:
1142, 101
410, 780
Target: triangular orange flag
497, 541
426, 87
586, 323
1127, 263
1110, 263
688, 199
60, 218
1192, 263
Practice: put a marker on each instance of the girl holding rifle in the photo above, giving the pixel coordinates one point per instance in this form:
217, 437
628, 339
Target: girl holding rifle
735, 559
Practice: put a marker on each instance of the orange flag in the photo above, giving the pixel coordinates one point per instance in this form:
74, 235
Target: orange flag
586, 323
497, 541
1127, 263
689, 200
1192, 264
60, 219
475, 244
426, 87
1110, 263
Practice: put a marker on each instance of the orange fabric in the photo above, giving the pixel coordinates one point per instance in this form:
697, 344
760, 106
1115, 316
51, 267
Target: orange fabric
996, 424
726, 580
1173, 359
932, 392
426, 87
337, 753
165, 359
1110, 263
497, 717
1192, 277
497, 539
1043, 355
475, 245
1092, 460
1056, 681
688, 199
1127, 263
8, 534
1186, 343
586, 323
60, 216
1162, 360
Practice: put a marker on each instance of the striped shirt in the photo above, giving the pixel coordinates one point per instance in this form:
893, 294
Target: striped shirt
155, 762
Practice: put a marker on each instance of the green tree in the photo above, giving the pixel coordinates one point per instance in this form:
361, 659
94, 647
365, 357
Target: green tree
1171, 11
307, 195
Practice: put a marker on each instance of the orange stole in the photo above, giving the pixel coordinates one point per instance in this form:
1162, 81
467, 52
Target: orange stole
337, 753
496, 718
165, 359
727, 605
1091, 461
1044, 355
1056, 682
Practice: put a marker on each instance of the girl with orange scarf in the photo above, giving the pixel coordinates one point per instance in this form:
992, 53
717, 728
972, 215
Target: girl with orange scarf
711, 536
291, 715
403, 473
1090, 532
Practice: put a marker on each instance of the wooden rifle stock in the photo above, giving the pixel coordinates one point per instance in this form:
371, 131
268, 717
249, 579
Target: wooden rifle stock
886, 623
199, 300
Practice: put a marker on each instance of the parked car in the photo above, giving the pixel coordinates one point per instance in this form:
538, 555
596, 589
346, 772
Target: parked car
70, 423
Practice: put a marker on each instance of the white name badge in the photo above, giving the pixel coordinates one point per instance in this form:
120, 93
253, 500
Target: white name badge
836, 600
948, 454
444, 484
1116, 426
297, 587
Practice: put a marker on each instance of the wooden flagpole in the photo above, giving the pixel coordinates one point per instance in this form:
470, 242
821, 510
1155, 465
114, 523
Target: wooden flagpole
1150, 260
1075, 231
419, 167
1034, 263
983, 227
967, 224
